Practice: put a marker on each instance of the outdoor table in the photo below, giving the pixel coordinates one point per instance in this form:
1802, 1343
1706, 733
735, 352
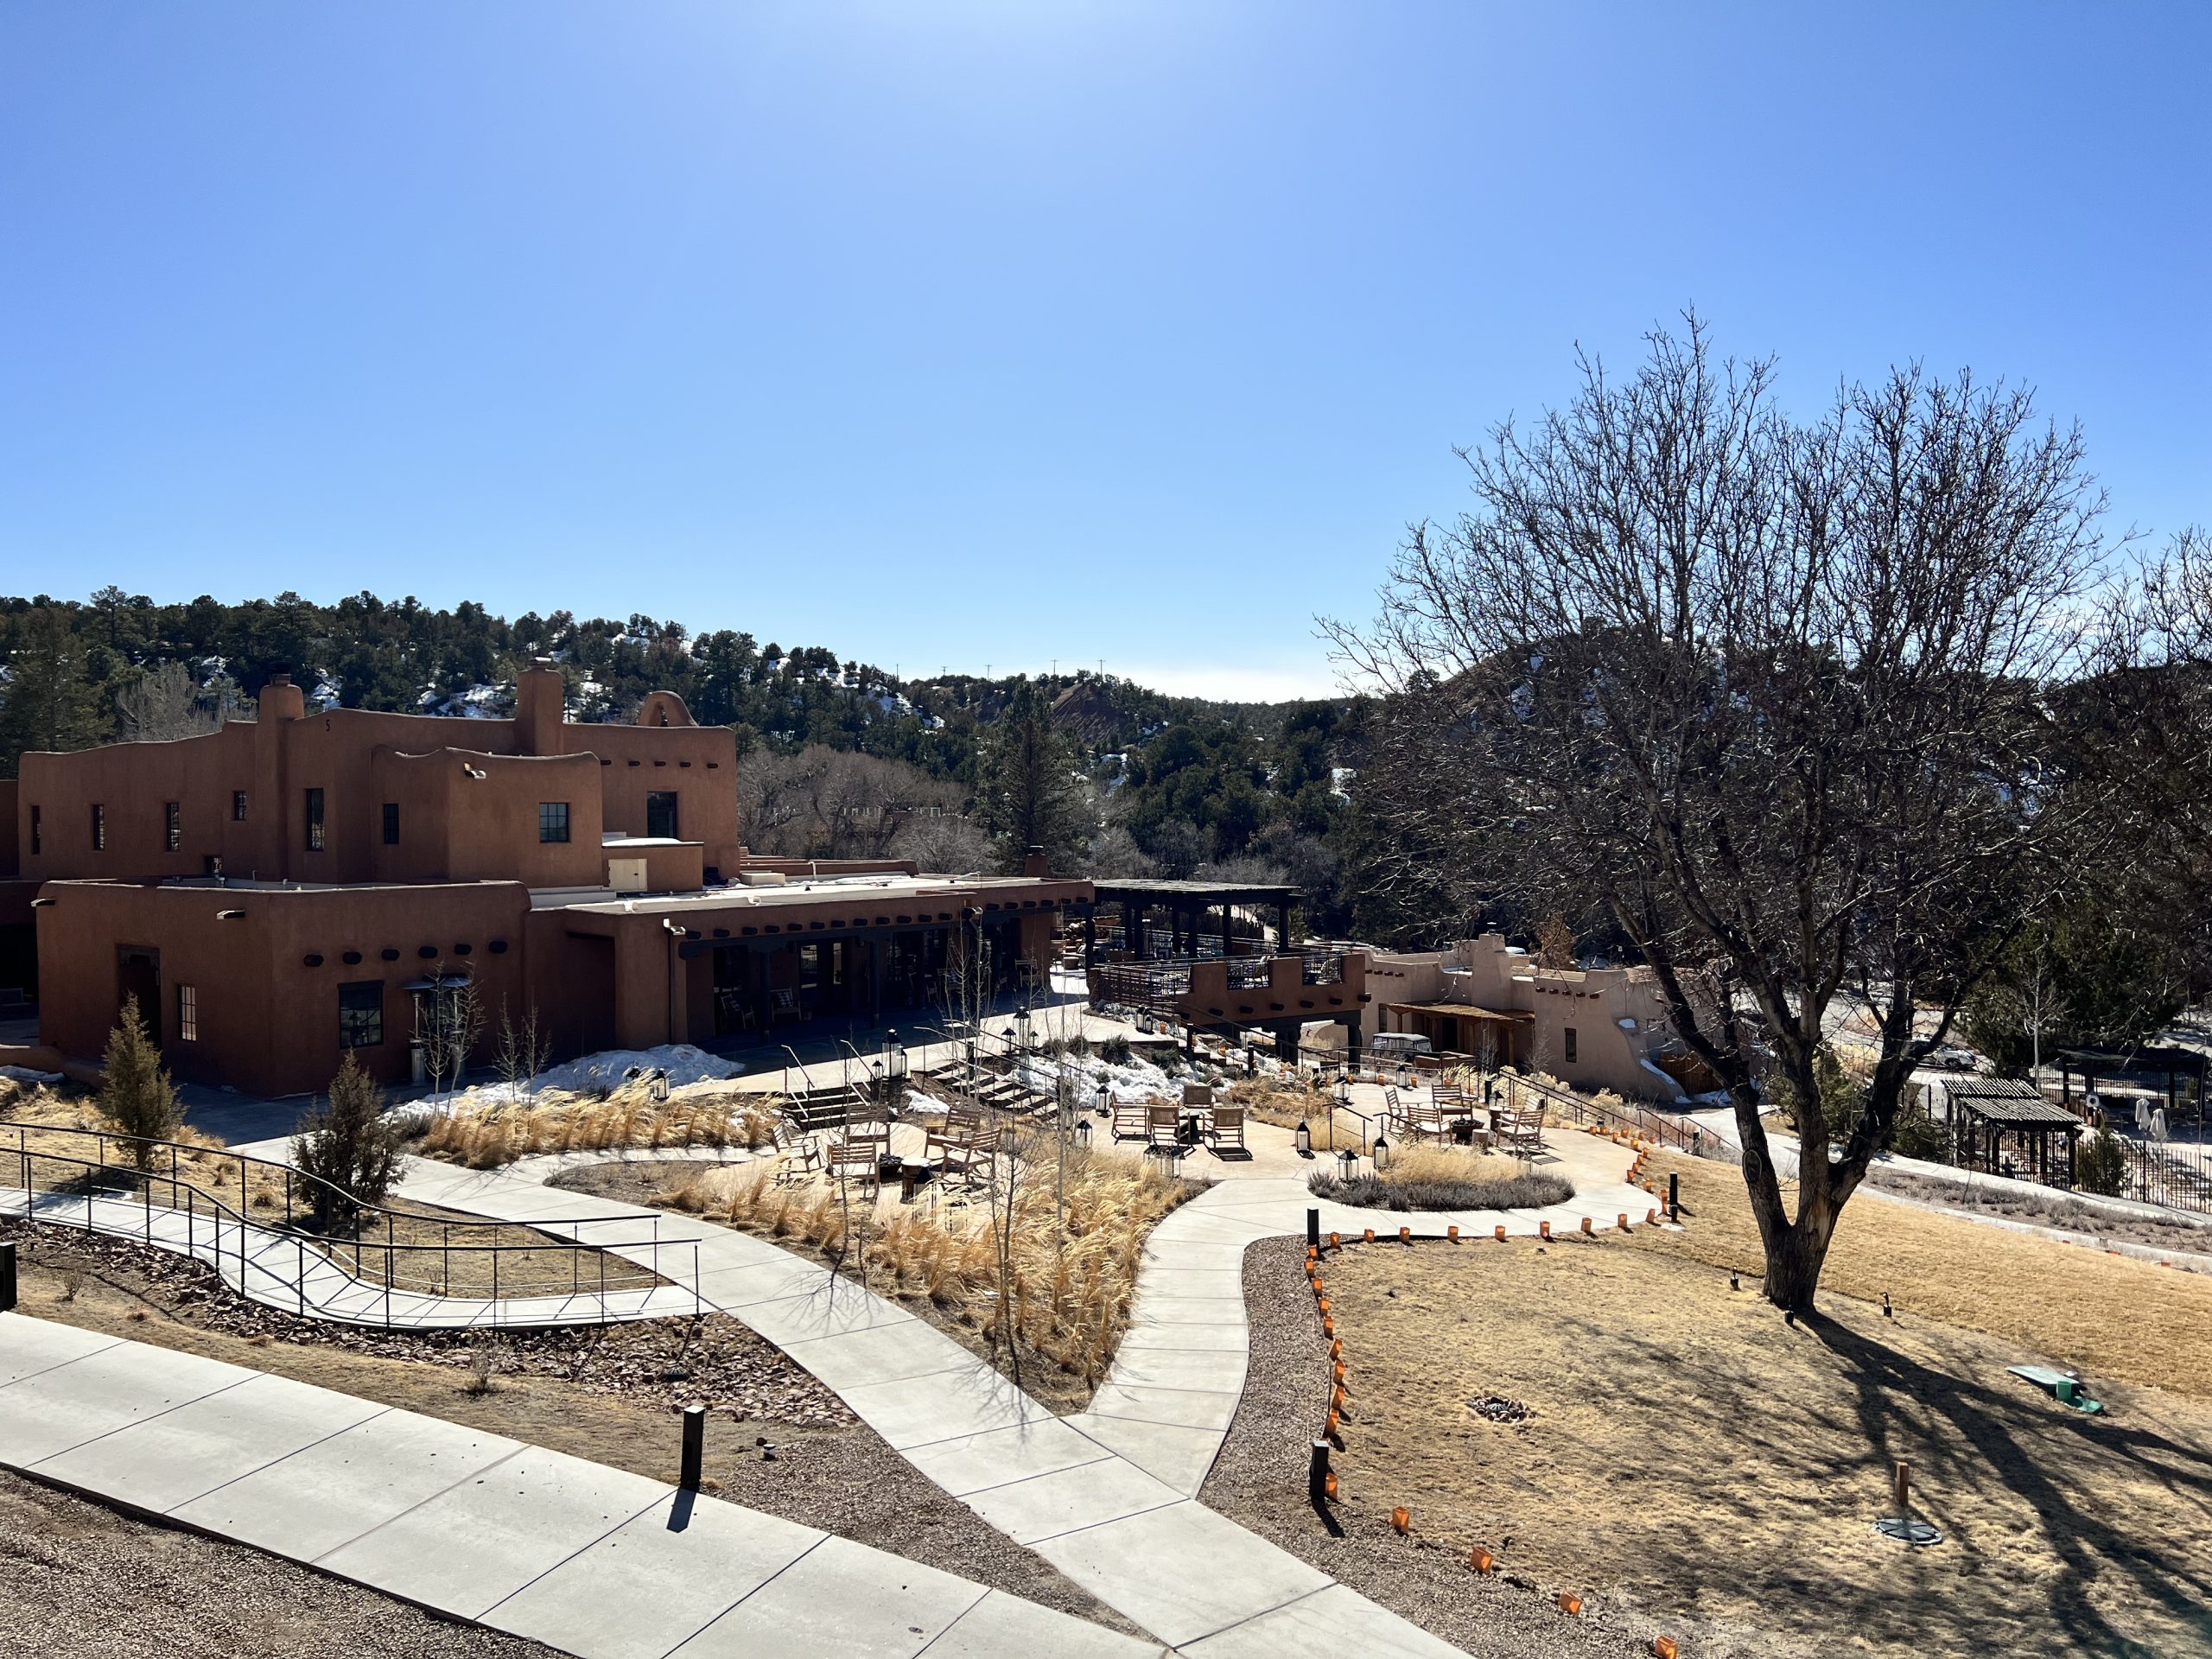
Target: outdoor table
912, 1174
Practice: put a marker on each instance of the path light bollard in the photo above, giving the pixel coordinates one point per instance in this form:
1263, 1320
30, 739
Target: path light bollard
1312, 1230
1317, 1472
694, 1447
1903, 1480
1675, 1197
8, 1275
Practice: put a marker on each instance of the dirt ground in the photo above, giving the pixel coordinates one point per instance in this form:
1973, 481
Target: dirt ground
1686, 1457
2114, 1316
777, 1439
82, 1579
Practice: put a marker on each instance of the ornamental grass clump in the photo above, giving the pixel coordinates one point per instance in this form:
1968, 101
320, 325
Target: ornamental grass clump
626, 1119
1445, 1178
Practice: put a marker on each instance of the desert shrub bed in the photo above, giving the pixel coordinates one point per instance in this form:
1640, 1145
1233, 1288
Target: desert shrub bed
1042, 1264
1445, 1178
487, 1136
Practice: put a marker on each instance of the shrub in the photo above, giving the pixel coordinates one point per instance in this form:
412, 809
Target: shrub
348, 1144
1920, 1137
136, 1096
2102, 1165
1438, 1178
1114, 1050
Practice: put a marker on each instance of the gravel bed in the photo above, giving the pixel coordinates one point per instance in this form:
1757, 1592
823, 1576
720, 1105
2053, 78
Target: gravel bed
1259, 1481
82, 1579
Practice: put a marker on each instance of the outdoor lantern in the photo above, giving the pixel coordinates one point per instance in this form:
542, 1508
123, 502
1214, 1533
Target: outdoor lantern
1302, 1138
1343, 1087
1405, 1075
660, 1082
1351, 1161
1082, 1131
1382, 1155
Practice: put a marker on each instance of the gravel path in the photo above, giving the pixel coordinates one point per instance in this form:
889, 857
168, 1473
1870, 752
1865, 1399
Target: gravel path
1259, 1481
80, 1579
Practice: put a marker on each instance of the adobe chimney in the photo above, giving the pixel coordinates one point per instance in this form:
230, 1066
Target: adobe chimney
539, 692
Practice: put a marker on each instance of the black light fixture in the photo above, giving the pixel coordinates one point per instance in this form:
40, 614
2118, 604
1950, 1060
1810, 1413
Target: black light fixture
1082, 1132
1302, 1138
1350, 1160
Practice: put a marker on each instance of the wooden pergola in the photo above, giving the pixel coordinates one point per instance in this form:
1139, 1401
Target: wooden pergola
1985, 1111
1200, 918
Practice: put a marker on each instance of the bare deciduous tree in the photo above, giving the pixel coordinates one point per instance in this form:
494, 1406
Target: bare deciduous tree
1772, 694
167, 702
825, 803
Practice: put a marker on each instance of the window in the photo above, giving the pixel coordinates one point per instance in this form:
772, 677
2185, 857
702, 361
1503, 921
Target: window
38, 832
237, 806
552, 820
361, 1014
1569, 1034
391, 824
314, 820
187, 1014
100, 828
172, 824
660, 813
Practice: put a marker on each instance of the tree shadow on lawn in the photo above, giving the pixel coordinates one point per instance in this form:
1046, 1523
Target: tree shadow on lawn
2086, 1530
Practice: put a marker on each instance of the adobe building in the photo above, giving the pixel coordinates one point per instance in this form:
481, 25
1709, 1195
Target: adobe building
1591, 1028
283, 891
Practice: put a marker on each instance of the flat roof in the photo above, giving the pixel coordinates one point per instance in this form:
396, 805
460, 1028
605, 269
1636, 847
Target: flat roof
797, 894
1149, 888
1462, 1011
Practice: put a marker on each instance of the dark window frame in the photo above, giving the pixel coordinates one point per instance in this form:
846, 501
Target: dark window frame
237, 806
99, 827
670, 799
187, 1014
553, 822
360, 1026
311, 810
1568, 1045
391, 824
173, 825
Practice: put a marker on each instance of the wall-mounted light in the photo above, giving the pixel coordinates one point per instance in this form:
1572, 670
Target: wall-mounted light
230, 915
42, 904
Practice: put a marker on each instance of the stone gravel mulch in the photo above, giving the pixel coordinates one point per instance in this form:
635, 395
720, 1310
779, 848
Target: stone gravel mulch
79, 1578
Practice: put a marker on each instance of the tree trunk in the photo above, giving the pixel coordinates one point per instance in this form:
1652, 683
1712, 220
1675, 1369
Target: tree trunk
1794, 1260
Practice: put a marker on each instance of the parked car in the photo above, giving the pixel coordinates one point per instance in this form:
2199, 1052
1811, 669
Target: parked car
1398, 1045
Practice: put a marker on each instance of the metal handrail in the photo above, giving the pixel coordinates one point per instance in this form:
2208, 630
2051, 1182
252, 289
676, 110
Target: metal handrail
329, 1249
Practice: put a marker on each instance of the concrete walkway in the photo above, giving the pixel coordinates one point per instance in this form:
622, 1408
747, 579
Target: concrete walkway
1108, 1497
1168, 1402
282, 1270
596, 1561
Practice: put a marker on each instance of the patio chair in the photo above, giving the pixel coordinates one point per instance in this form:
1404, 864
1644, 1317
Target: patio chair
799, 1155
1519, 1131
1132, 1120
1226, 1128
1394, 1110
965, 1138
1163, 1126
1195, 1095
1429, 1122
857, 1159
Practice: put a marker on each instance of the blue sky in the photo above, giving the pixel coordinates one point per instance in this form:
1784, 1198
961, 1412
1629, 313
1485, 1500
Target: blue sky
986, 334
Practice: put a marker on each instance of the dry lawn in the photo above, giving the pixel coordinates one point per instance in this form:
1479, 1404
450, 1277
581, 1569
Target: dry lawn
483, 1137
1688, 1456
1446, 1178
1333, 1128
2112, 1316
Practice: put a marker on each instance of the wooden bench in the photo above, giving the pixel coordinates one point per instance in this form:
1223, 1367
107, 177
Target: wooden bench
1518, 1131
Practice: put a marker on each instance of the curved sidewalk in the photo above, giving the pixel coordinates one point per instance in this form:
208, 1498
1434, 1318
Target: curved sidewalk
281, 1270
596, 1561
1107, 1497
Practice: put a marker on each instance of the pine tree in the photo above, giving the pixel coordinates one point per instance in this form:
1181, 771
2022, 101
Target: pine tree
135, 1095
50, 703
1028, 788
348, 1148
